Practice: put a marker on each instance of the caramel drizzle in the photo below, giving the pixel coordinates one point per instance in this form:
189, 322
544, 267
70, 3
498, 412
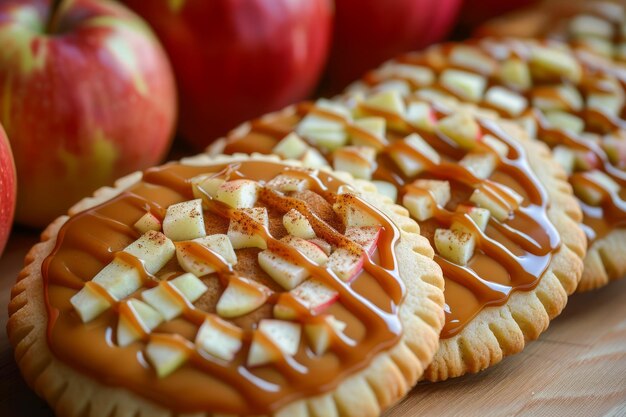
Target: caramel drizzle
383, 328
613, 210
539, 241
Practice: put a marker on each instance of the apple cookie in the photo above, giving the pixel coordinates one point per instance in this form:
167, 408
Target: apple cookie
228, 286
504, 225
597, 26
575, 106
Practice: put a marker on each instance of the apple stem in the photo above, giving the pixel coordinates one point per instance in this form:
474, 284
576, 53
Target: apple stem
53, 17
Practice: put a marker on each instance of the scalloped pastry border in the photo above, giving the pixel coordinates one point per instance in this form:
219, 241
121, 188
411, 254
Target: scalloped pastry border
366, 393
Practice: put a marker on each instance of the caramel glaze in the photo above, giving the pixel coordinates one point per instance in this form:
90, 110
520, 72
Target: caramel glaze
598, 220
511, 255
89, 240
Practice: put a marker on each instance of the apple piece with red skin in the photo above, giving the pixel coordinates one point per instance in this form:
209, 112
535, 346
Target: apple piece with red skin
235, 60
8, 189
88, 96
369, 32
366, 236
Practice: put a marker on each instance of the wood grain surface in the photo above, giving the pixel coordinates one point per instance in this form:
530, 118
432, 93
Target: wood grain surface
577, 368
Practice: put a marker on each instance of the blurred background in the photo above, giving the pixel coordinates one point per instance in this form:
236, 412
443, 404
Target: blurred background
91, 90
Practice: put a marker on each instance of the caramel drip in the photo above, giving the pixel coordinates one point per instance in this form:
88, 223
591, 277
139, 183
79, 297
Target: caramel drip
597, 222
93, 238
528, 230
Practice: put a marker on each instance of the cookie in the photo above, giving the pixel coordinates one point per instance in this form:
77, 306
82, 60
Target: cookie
572, 104
494, 204
228, 286
596, 26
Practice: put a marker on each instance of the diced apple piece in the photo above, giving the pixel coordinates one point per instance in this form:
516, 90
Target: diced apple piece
163, 301
562, 97
219, 244
421, 205
308, 249
205, 185
356, 160
165, 357
154, 249
315, 295
323, 245
515, 73
387, 189
565, 121
461, 128
455, 245
529, 124
238, 193
290, 147
481, 165
241, 234
298, 225
333, 107
219, 338
143, 315
190, 286
590, 194
499, 207
412, 165
241, 297
504, 99
148, 222
184, 221
366, 236
373, 125
565, 157
586, 160
288, 183
324, 132
320, 334
351, 213
421, 115
283, 336
388, 101
590, 26
615, 148
417, 75
400, 86
285, 273
480, 216
345, 264
119, 279
472, 58
466, 85
89, 304
611, 103
553, 63
496, 145
312, 158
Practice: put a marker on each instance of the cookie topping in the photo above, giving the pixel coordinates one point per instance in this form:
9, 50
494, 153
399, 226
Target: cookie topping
463, 178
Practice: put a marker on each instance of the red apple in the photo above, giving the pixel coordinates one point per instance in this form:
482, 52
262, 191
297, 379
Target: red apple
235, 60
86, 95
7, 189
369, 32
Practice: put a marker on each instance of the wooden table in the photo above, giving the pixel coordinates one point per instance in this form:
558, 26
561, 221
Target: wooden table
577, 368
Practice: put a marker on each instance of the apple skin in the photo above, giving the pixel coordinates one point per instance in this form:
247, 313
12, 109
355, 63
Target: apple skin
238, 59
8, 188
84, 99
369, 32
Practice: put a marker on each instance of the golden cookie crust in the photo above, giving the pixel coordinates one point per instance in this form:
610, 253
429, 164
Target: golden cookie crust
366, 393
497, 332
